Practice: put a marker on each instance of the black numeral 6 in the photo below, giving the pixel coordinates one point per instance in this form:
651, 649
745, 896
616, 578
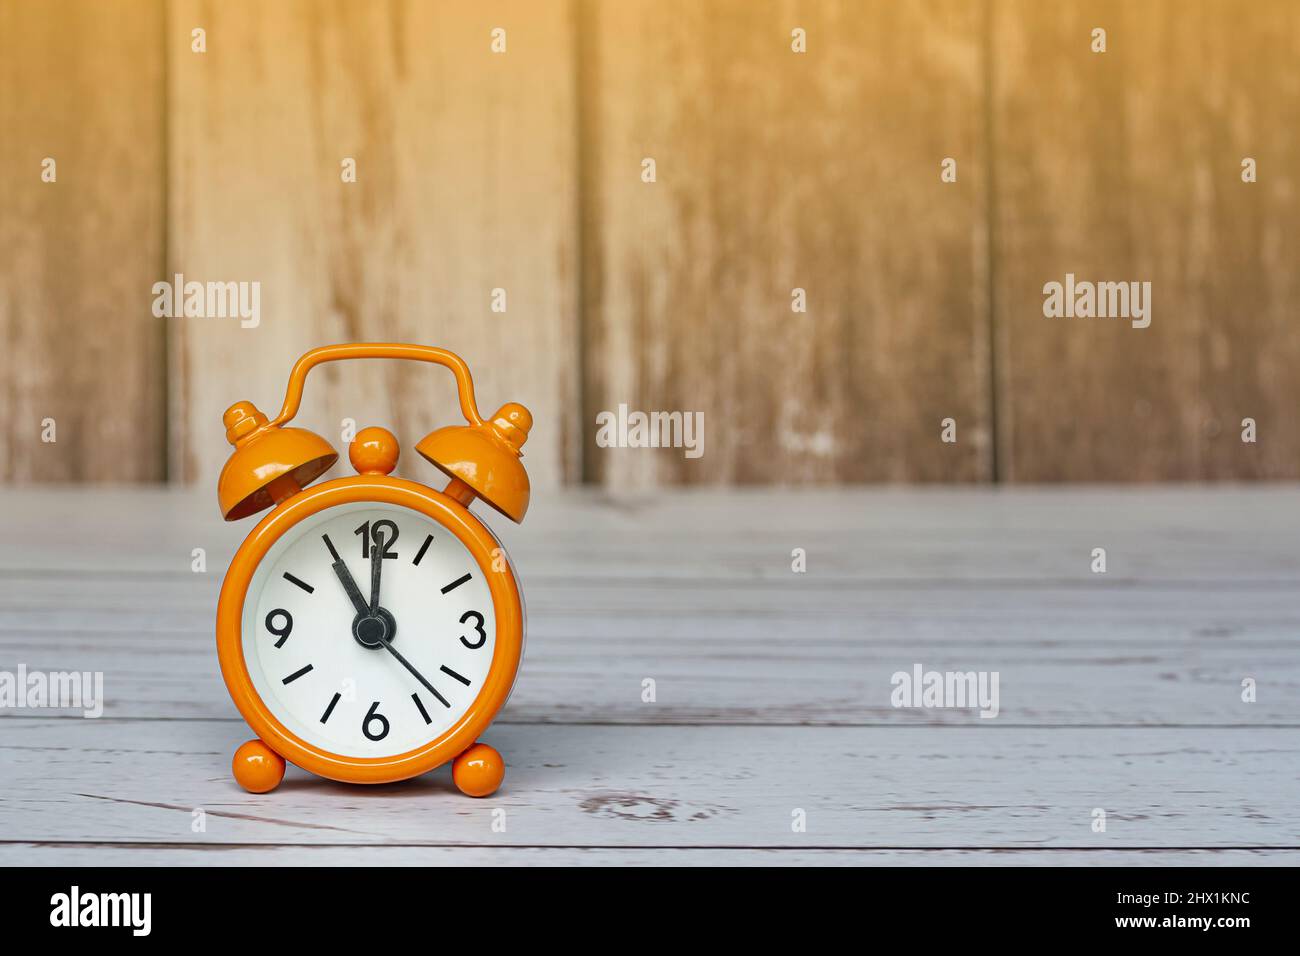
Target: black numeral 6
373, 716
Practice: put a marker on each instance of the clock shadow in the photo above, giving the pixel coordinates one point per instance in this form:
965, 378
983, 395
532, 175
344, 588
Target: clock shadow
429, 784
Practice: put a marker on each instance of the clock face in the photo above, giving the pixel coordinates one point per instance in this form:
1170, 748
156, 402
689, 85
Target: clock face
357, 680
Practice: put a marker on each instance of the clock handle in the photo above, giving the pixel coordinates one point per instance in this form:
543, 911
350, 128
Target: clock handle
385, 350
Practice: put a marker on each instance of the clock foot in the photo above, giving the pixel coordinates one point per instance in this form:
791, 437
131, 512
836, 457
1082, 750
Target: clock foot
478, 771
257, 767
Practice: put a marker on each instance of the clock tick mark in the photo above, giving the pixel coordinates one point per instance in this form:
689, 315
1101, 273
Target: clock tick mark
330, 709
296, 674
451, 673
419, 705
457, 583
423, 548
298, 581
330, 544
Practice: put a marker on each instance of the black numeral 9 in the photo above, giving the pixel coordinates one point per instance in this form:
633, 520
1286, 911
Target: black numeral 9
281, 632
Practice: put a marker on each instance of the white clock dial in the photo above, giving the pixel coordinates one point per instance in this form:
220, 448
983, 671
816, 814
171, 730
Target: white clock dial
368, 684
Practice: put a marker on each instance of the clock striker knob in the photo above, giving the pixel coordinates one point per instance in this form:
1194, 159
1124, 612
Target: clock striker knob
374, 451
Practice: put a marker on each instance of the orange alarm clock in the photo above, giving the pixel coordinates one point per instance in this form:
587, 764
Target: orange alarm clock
370, 628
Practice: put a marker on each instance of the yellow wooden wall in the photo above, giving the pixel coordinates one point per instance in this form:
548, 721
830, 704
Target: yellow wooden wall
78, 343
466, 183
1127, 165
775, 170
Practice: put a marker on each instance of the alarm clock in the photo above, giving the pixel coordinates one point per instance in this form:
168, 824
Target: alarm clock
371, 627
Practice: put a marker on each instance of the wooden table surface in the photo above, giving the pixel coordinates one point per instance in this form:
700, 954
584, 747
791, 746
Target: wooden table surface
1120, 691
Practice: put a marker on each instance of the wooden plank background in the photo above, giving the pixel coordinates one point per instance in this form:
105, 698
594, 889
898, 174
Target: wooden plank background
775, 170
465, 183
78, 255
1127, 166
778, 170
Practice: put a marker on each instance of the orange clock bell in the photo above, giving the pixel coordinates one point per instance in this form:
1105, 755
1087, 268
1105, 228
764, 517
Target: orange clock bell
370, 628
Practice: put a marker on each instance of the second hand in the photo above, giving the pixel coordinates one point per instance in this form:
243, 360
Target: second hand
407, 664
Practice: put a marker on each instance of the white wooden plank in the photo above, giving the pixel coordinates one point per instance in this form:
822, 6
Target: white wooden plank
140, 781
783, 673
727, 632
786, 654
622, 589
1191, 535
177, 599
213, 854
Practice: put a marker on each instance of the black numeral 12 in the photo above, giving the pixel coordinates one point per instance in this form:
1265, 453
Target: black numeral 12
368, 534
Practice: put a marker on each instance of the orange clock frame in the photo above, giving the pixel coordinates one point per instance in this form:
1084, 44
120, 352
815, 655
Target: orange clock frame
506, 600
270, 466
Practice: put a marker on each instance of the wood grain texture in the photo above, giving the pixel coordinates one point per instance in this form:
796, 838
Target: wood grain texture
225, 854
465, 183
723, 652
593, 786
683, 588
1126, 166
81, 83
775, 171
1119, 690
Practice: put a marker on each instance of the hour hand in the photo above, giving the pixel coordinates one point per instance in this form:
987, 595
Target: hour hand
345, 578
376, 568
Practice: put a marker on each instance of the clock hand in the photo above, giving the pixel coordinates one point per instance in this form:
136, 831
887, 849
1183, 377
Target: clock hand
376, 568
407, 664
345, 578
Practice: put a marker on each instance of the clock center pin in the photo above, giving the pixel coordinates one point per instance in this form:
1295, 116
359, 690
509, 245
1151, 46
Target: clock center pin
372, 630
